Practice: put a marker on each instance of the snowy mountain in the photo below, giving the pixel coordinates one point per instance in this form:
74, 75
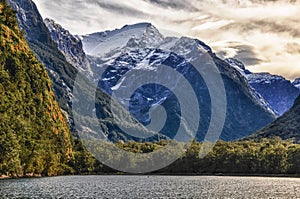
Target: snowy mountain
296, 83
279, 92
103, 44
140, 48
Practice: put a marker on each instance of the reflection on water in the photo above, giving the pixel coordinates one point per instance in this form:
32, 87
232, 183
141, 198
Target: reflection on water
150, 187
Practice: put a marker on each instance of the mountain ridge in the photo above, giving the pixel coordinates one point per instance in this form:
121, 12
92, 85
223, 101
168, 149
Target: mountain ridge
278, 92
128, 54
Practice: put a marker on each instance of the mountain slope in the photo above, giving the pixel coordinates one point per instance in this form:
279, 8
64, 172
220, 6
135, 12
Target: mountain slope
140, 47
34, 135
39, 40
70, 46
63, 75
286, 127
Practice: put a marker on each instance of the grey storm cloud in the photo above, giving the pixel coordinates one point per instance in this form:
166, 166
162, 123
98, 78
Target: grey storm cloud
111, 6
116, 7
247, 55
175, 4
244, 53
277, 27
293, 48
265, 26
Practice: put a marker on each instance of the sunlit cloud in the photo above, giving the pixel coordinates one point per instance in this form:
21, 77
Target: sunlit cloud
263, 34
212, 25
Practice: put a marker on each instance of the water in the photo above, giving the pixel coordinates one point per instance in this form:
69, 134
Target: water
150, 187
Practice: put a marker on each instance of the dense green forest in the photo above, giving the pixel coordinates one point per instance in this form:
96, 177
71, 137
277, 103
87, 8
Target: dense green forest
268, 156
34, 135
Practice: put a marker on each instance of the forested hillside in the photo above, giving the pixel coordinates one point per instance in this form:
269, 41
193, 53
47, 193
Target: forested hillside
34, 135
287, 127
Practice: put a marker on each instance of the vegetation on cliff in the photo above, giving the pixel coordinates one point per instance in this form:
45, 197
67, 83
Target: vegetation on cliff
34, 135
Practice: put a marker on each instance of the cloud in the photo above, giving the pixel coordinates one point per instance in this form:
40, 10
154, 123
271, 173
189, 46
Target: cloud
212, 25
264, 34
293, 48
245, 53
116, 7
265, 26
174, 4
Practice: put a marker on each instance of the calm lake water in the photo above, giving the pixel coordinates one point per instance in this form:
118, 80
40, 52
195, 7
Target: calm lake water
150, 187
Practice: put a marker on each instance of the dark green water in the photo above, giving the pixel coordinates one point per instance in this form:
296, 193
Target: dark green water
150, 187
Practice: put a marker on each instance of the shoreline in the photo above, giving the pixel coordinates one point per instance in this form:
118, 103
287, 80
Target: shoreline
4, 177
28, 176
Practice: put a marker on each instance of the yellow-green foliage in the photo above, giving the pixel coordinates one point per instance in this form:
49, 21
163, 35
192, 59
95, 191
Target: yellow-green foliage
269, 156
34, 135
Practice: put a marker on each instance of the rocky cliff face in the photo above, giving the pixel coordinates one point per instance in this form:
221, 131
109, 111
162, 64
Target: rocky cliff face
70, 46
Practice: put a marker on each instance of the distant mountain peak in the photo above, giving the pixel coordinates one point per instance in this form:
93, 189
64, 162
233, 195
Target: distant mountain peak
265, 77
296, 83
141, 35
138, 25
277, 91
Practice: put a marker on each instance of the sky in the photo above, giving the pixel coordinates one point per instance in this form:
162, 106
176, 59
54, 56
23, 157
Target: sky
263, 34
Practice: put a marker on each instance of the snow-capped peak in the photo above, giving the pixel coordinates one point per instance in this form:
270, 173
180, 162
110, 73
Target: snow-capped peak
187, 47
130, 36
279, 92
296, 83
235, 63
266, 78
